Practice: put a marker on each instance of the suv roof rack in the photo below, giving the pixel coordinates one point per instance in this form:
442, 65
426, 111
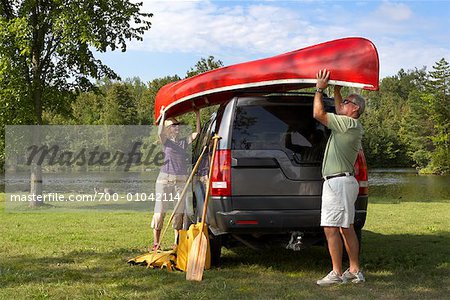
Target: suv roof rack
277, 94
267, 93
271, 95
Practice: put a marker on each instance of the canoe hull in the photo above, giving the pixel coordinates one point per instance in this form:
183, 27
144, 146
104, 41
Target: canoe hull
352, 62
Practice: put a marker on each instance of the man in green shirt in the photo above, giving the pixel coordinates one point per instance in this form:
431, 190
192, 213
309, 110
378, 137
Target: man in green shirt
340, 188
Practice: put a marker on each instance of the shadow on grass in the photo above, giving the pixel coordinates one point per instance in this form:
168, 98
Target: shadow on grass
379, 252
395, 265
131, 206
420, 264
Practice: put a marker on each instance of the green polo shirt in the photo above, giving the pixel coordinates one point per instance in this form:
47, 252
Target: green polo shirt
343, 144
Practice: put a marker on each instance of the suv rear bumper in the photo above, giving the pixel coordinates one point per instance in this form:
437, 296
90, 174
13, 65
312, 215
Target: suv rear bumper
277, 221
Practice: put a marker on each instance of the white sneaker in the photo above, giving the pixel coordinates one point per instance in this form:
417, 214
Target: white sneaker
357, 277
330, 279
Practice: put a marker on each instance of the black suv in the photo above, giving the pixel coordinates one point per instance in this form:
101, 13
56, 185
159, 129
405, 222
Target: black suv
266, 183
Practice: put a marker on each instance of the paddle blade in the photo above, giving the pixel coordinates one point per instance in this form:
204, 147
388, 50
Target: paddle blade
197, 258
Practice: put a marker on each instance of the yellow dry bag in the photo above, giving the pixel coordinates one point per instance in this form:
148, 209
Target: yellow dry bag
185, 239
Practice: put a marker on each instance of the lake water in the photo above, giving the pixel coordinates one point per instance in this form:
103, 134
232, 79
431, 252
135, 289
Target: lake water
391, 185
405, 185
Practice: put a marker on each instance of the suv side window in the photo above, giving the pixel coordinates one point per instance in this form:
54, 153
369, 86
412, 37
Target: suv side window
205, 135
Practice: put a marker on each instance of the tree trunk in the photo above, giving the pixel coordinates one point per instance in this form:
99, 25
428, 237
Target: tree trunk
37, 88
36, 185
36, 172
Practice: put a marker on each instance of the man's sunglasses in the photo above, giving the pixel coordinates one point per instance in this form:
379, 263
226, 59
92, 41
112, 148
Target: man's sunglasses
346, 101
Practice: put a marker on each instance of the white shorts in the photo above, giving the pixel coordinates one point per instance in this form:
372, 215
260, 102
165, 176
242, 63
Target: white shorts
338, 201
169, 187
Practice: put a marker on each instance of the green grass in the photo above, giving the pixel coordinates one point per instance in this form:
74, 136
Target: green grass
406, 255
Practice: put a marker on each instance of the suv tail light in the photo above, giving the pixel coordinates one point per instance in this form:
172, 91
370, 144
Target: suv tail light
361, 173
221, 174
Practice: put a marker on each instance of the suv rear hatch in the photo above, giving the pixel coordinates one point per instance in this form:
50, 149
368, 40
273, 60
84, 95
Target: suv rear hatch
277, 149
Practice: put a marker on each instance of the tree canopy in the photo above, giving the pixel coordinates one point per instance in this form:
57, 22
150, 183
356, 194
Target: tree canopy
407, 121
47, 48
46, 55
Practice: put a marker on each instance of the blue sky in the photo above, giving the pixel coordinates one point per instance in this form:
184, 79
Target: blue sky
407, 34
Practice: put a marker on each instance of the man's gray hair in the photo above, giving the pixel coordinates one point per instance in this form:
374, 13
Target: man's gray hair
359, 100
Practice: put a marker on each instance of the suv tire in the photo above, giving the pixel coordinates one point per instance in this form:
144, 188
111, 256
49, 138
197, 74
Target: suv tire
215, 245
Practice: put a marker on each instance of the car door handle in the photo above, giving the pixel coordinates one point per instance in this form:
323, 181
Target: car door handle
252, 162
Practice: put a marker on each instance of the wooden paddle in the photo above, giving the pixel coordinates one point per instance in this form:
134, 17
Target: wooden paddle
197, 253
183, 192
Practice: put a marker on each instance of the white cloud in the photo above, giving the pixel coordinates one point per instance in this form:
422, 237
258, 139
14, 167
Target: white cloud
396, 54
203, 26
237, 31
394, 11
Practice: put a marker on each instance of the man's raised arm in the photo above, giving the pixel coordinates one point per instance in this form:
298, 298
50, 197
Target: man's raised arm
319, 112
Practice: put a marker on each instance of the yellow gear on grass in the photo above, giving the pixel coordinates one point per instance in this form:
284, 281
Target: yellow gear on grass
176, 258
160, 259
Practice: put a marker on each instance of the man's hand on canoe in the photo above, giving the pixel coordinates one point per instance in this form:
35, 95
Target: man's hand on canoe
319, 112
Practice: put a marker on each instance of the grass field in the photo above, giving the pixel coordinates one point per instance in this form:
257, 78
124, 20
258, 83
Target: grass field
406, 255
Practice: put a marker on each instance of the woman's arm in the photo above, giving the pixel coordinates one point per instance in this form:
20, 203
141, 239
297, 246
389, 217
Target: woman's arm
197, 126
161, 132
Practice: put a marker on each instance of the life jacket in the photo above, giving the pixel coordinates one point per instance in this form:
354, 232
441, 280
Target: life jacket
161, 259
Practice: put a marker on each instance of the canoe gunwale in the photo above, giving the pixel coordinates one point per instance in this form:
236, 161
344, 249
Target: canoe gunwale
244, 86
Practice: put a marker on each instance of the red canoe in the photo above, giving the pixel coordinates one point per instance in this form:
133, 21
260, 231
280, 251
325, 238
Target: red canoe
352, 62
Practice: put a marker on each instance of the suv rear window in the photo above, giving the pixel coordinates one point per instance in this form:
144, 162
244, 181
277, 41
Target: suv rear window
288, 127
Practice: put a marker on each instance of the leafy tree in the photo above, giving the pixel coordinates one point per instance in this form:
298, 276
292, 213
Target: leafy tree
51, 41
137, 87
138, 91
437, 101
204, 65
425, 126
119, 108
146, 104
383, 120
416, 131
46, 45
87, 108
